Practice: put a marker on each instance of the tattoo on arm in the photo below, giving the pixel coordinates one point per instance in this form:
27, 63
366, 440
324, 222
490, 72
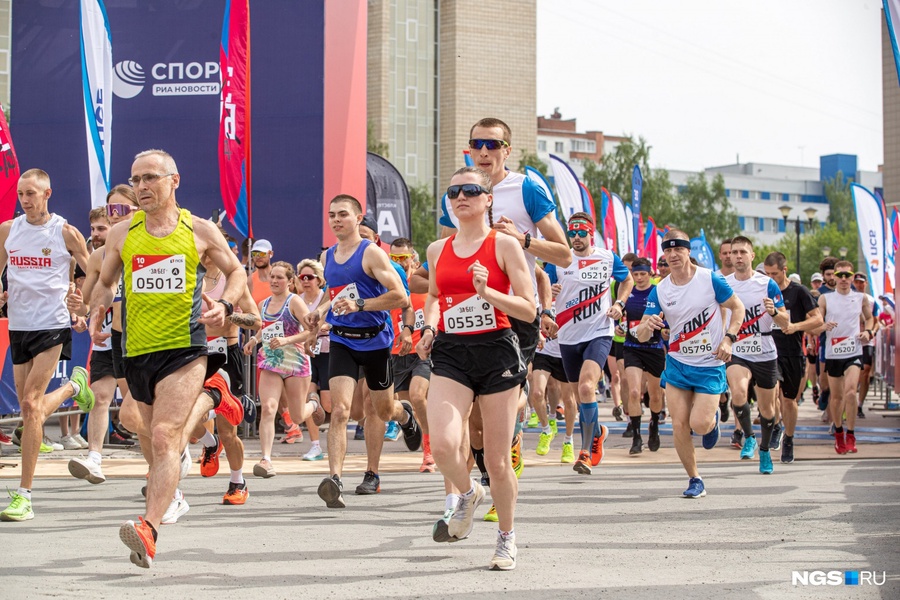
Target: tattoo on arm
243, 319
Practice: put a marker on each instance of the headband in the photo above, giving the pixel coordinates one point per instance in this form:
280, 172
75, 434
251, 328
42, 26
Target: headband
580, 225
676, 244
641, 269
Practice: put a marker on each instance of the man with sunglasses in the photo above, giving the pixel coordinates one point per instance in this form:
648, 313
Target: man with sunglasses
843, 311
586, 317
261, 257
662, 269
36, 248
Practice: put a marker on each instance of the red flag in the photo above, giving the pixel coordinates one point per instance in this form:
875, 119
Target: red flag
610, 233
640, 242
651, 249
9, 171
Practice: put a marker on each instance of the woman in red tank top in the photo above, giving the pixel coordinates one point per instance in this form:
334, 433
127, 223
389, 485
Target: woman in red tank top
475, 356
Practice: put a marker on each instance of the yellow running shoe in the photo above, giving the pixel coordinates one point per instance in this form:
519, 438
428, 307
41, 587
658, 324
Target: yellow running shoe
518, 462
492, 515
568, 453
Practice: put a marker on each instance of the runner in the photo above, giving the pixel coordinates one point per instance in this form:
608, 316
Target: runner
860, 282
475, 355
547, 371
691, 299
586, 319
754, 355
805, 317
160, 252
312, 289
36, 249
644, 362
843, 311
362, 288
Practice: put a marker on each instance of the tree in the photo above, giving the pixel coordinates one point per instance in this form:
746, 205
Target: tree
372, 145
423, 217
840, 203
703, 205
532, 160
812, 248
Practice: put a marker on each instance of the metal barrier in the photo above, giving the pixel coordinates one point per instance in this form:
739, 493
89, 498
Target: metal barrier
885, 361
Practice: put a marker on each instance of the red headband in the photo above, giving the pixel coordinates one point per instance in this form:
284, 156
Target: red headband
581, 225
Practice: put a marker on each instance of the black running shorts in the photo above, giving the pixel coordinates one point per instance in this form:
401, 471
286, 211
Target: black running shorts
793, 370
143, 372
836, 367
343, 361
407, 367
101, 365
550, 364
486, 363
24, 346
763, 373
649, 360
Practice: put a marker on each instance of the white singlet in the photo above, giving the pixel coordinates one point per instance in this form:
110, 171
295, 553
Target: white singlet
845, 310
755, 343
586, 295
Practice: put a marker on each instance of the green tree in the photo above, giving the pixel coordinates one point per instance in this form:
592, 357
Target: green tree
813, 245
532, 160
423, 217
840, 203
704, 205
372, 145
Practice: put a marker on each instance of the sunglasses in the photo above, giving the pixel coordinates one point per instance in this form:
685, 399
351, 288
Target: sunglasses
469, 190
148, 178
489, 144
662, 263
843, 275
579, 232
258, 254
307, 277
119, 210
399, 257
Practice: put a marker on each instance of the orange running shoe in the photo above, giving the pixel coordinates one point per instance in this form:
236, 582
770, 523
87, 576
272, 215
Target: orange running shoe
139, 538
583, 464
427, 463
209, 459
597, 445
237, 494
228, 406
516, 454
293, 435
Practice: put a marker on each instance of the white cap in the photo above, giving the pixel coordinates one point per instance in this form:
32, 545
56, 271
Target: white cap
794, 277
261, 246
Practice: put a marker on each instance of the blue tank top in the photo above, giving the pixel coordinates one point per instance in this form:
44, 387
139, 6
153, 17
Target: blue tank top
350, 280
634, 312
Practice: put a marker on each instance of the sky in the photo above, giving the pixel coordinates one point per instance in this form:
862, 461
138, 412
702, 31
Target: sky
708, 81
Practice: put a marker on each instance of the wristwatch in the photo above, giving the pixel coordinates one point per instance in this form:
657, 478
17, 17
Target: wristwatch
412, 328
549, 312
229, 307
620, 303
527, 241
731, 337
360, 304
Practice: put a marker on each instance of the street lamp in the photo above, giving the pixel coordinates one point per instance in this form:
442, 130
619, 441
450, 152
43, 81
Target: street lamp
843, 252
810, 219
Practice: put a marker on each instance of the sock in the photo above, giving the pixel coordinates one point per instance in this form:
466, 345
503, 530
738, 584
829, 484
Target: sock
216, 396
237, 476
286, 416
839, 429
470, 493
654, 417
24, 493
75, 387
95, 457
636, 425
850, 431
588, 414
766, 438
451, 501
569, 439
546, 429
507, 534
743, 415
479, 461
179, 495
267, 458
209, 440
426, 443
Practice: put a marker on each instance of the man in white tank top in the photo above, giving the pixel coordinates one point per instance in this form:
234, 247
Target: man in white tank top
843, 310
37, 248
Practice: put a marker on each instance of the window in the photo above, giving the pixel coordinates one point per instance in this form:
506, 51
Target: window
542, 145
751, 225
754, 195
588, 146
559, 147
411, 97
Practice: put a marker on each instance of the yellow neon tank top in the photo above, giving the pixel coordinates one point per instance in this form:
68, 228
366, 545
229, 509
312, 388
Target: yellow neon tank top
162, 296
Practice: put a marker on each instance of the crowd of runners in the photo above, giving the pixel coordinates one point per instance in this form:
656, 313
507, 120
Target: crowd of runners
510, 313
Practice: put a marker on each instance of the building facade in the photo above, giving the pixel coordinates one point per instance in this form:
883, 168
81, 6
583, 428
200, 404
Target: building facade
891, 118
560, 137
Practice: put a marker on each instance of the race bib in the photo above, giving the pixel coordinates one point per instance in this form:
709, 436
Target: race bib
749, 345
417, 325
318, 347
469, 314
699, 344
593, 270
632, 328
275, 330
218, 345
154, 274
349, 292
846, 346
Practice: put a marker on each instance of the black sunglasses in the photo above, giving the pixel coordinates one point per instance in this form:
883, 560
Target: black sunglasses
469, 190
475, 144
843, 275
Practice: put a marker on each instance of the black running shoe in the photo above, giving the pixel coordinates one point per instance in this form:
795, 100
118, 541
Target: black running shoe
653, 442
737, 439
777, 434
787, 450
249, 405
360, 433
617, 413
725, 411
371, 484
331, 491
637, 445
412, 433
117, 440
860, 414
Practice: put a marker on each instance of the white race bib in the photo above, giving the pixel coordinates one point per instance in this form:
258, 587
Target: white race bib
218, 346
844, 346
751, 345
349, 292
318, 347
154, 274
469, 314
275, 330
697, 345
593, 270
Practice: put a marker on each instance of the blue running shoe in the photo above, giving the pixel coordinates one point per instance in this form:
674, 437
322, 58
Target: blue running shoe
765, 462
392, 431
695, 488
749, 448
710, 439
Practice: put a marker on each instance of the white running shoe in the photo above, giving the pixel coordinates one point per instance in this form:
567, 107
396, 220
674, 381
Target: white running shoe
463, 520
177, 508
85, 468
185, 462
314, 453
505, 554
55, 445
84, 443
70, 443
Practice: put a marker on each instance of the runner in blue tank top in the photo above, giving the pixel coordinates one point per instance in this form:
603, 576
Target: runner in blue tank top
362, 288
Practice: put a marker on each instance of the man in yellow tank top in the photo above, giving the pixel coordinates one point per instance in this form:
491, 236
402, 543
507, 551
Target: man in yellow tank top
164, 314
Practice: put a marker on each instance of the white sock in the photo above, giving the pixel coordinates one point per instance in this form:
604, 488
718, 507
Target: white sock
209, 440
315, 444
95, 457
267, 458
237, 476
75, 387
568, 439
546, 429
471, 492
24, 493
179, 495
452, 501
507, 534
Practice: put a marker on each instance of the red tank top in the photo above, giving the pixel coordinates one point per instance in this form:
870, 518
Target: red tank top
462, 310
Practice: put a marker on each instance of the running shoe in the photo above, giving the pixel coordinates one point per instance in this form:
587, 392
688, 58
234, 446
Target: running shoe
18, 510
227, 405
264, 469
85, 468
371, 484
629, 431
44, 449
554, 427
209, 459
392, 431
515, 452
412, 433
314, 453
360, 433
440, 532
765, 462
331, 491
597, 445
712, 438
186, 462
637, 445
293, 435
81, 441
85, 397
737, 439
583, 464
749, 449
724, 410
117, 428
117, 440
543, 445
560, 412
463, 520
839, 443
533, 421
860, 414
695, 488
777, 433
178, 507
815, 394
318, 414
53, 445
653, 442
249, 406
568, 453
69, 443
427, 463
139, 539
491, 515
662, 416
850, 443
787, 450
237, 494
505, 553
617, 412
5, 440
